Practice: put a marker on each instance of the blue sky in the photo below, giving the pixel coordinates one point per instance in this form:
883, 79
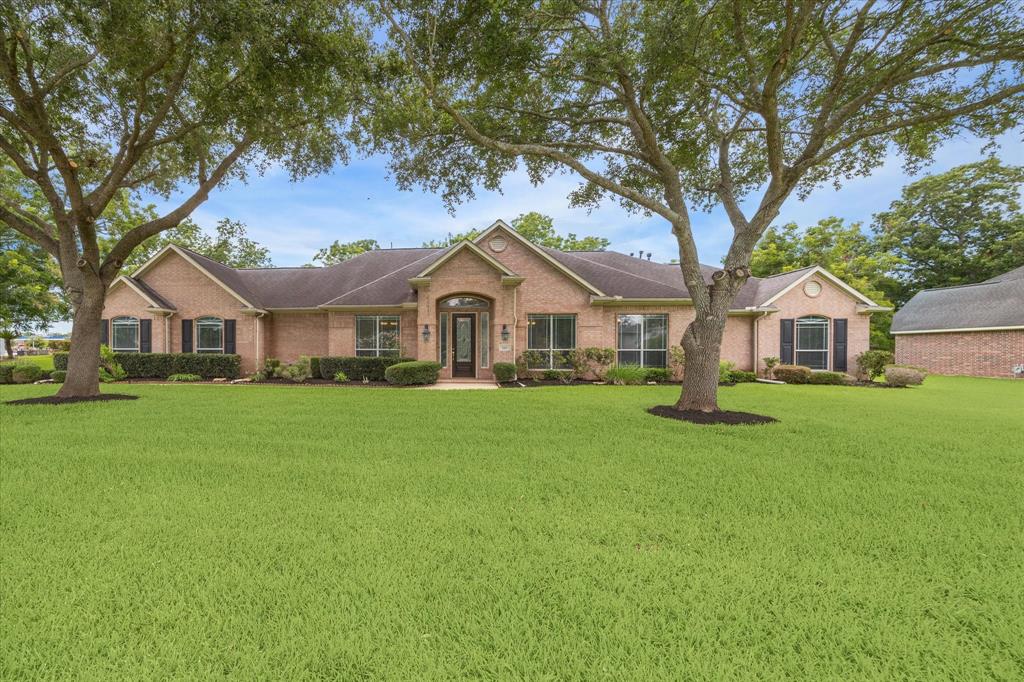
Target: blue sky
358, 201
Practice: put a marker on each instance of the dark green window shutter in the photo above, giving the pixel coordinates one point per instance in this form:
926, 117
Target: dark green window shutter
786, 342
145, 336
839, 345
229, 336
105, 332
186, 336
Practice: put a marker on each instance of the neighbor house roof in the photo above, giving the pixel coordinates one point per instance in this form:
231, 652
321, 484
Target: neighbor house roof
997, 303
381, 277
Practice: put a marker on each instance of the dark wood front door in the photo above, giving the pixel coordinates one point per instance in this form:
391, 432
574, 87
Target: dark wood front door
463, 345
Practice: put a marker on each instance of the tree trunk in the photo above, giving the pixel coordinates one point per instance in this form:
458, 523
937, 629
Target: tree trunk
702, 344
9, 347
83, 378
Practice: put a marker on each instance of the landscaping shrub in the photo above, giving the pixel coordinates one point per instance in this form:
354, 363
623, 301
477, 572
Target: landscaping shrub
626, 375
871, 364
658, 375
298, 371
161, 365
792, 374
358, 368
184, 377
725, 368
676, 360
527, 361
827, 378
59, 344
553, 374
770, 363
314, 367
58, 376
413, 372
922, 370
903, 376
207, 365
5, 373
340, 377
596, 361
25, 373
741, 376
504, 371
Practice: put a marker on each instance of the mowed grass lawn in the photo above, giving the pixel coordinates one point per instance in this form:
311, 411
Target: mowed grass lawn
555, 533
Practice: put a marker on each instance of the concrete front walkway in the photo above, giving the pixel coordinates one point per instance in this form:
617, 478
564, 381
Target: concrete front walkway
461, 385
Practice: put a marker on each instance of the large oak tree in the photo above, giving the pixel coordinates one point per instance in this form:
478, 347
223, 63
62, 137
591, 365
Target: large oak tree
171, 97
679, 105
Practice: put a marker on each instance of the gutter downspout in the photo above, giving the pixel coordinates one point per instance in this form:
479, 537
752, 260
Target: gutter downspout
756, 320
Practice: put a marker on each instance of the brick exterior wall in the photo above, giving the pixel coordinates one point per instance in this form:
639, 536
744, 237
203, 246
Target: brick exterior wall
545, 290
833, 302
982, 354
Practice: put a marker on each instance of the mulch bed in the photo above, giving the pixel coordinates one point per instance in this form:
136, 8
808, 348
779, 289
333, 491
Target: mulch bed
57, 400
721, 417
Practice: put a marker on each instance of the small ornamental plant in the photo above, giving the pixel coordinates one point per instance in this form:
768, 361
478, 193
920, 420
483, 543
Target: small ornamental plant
184, 378
340, 377
770, 363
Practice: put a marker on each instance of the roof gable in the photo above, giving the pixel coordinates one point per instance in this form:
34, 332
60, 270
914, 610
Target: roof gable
472, 248
539, 251
222, 275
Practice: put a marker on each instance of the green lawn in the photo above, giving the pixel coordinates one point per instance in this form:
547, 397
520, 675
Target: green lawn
44, 361
557, 533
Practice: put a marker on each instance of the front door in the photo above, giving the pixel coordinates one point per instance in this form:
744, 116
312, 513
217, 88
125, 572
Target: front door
464, 346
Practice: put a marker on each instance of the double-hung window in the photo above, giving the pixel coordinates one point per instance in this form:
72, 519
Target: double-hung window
551, 338
125, 334
812, 342
643, 340
209, 335
377, 335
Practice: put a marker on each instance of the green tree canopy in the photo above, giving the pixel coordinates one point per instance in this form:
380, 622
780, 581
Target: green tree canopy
30, 293
959, 227
165, 96
844, 250
339, 252
667, 106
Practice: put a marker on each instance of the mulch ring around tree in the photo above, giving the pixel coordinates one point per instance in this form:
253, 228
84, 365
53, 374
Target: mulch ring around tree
57, 400
720, 417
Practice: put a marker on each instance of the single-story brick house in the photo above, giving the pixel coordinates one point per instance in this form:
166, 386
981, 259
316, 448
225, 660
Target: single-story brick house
974, 329
471, 305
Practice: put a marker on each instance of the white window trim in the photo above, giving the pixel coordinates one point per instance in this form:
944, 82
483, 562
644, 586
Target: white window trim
376, 349
643, 337
138, 335
198, 336
828, 341
551, 350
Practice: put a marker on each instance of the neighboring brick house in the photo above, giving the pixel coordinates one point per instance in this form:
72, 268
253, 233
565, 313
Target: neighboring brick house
471, 305
975, 329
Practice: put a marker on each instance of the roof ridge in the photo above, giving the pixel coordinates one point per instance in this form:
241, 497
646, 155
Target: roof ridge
787, 272
363, 286
625, 272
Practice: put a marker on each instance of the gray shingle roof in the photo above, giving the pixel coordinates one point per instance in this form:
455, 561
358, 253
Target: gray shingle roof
381, 277
998, 302
157, 298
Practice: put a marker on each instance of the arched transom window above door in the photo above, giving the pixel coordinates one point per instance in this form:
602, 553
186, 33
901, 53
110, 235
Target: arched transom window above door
464, 302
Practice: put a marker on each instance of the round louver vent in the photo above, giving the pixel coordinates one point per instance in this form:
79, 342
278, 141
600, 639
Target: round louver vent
497, 244
812, 288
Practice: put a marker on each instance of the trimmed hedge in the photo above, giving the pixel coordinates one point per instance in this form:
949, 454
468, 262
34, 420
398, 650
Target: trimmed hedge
413, 372
58, 376
901, 376
314, 367
358, 368
827, 378
742, 376
504, 371
5, 373
792, 374
26, 373
658, 375
162, 365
